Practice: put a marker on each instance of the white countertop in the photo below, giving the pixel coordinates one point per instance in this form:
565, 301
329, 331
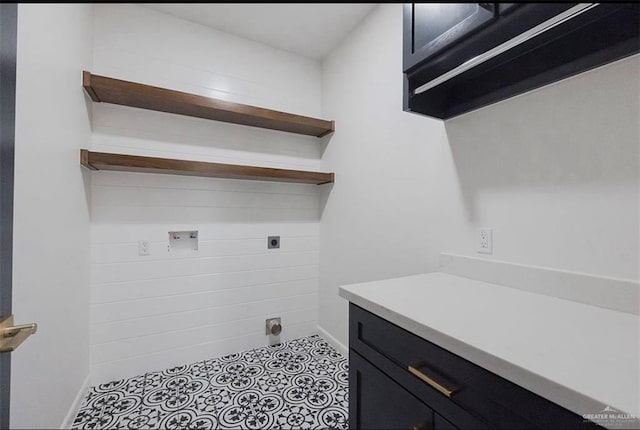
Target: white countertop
579, 356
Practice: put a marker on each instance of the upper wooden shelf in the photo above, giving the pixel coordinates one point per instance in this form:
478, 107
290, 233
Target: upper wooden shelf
133, 163
110, 90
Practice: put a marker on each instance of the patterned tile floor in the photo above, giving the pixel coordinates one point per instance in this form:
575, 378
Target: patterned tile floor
297, 384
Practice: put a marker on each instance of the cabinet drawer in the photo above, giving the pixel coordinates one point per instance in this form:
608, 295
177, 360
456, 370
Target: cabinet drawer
488, 397
380, 402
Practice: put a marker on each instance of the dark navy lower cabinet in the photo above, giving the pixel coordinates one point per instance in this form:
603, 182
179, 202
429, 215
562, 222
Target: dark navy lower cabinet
382, 403
398, 380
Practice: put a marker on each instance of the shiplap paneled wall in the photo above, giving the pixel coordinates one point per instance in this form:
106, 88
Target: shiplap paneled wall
175, 307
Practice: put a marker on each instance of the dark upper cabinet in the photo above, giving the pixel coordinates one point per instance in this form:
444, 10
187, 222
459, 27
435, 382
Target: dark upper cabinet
506, 8
472, 56
432, 27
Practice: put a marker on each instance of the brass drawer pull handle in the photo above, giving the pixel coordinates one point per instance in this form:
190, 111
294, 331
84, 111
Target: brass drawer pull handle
447, 391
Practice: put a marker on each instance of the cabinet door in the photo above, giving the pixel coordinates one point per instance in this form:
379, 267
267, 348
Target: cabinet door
440, 423
377, 402
431, 27
507, 8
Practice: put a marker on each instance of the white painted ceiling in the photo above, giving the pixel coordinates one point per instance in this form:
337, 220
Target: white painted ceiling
309, 29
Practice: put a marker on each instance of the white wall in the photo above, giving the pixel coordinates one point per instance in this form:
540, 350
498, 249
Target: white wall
51, 216
553, 172
156, 311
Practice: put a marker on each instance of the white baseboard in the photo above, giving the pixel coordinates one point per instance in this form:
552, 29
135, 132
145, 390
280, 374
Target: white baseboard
75, 405
339, 346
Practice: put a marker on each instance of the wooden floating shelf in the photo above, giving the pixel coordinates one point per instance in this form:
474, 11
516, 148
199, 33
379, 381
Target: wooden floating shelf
133, 163
116, 91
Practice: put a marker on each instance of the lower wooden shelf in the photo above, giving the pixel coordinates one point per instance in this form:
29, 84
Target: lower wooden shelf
133, 163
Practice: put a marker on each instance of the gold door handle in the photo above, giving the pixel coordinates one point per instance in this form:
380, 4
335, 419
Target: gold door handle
11, 336
447, 391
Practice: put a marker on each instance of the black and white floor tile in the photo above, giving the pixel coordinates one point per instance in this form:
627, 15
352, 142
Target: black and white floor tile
300, 384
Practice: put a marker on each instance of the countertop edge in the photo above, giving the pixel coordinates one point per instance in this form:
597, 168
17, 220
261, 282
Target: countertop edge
566, 397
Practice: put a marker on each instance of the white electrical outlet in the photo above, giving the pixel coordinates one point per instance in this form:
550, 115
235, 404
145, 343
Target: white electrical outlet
485, 241
144, 248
